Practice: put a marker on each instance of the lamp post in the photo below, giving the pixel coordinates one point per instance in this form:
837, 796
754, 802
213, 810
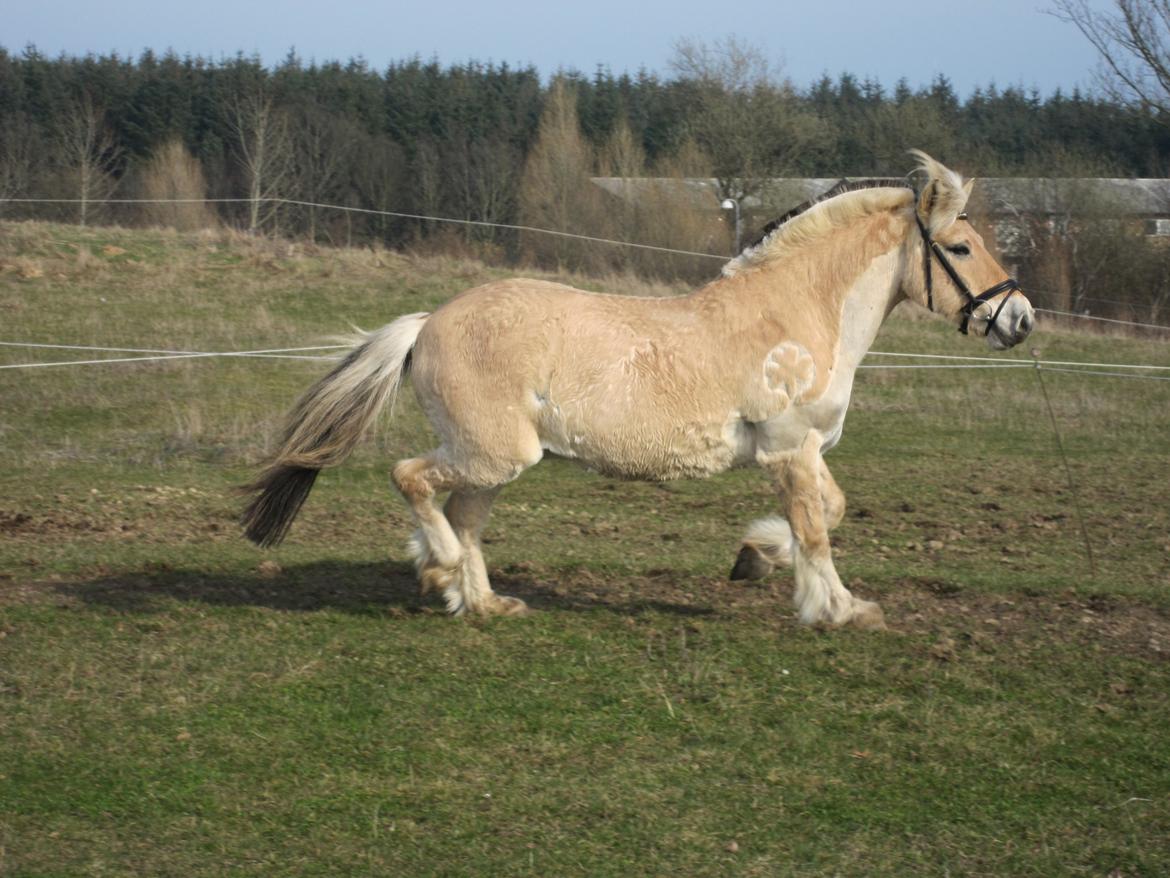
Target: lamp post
733, 204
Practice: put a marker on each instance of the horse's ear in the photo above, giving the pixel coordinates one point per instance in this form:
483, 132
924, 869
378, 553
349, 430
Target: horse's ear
926, 201
939, 205
944, 196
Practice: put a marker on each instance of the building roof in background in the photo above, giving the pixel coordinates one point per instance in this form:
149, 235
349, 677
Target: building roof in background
994, 196
1044, 196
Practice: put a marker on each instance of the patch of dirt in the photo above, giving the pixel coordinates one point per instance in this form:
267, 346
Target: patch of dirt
989, 622
962, 620
13, 522
43, 525
959, 623
142, 512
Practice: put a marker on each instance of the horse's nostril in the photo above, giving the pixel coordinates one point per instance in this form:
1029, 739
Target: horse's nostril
1025, 324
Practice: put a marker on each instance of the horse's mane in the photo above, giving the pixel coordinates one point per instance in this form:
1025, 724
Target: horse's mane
837, 206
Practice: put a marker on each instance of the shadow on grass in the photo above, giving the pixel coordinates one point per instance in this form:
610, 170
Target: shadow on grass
384, 588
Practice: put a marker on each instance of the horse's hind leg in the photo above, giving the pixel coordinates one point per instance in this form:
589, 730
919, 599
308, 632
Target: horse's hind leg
768, 541
446, 546
467, 511
437, 552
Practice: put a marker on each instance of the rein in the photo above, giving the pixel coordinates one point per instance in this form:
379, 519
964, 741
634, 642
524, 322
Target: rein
929, 246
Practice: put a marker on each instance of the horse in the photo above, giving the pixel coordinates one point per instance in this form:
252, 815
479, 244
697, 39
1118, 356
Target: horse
756, 367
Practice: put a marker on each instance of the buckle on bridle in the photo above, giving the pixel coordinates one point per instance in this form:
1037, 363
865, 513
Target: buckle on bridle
1010, 286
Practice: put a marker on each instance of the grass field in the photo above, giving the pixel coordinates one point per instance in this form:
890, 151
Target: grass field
175, 702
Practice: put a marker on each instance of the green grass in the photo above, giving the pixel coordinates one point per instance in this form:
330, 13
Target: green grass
173, 701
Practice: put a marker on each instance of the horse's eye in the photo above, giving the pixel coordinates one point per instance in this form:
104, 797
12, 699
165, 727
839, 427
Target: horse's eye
960, 250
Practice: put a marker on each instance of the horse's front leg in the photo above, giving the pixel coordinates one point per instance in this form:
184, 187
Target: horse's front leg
768, 541
813, 503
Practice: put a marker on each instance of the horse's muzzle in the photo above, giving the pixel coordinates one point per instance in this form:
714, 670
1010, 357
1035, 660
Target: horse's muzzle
1012, 326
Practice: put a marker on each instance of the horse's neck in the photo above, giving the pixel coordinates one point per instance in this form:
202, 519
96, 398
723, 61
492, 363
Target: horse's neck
852, 293
867, 305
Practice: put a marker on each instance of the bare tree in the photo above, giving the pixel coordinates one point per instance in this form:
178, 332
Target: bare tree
1133, 41
890, 129
378, 178
89, 152
728, 63
427, 169
747, 117
668, 212
17, 151
488, 183
323, 148
263, 149
1112, 265
622, 155
555, 192
173, 181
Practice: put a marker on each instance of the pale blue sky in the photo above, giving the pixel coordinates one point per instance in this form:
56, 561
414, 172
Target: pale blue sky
1010, 42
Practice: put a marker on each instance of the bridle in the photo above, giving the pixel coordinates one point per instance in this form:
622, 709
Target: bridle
929, 245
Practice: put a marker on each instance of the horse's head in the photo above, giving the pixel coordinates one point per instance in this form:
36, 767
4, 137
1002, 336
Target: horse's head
949, 270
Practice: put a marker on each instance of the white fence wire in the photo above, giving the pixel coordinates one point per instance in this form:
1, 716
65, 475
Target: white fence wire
155, 355
367, 211
1076, 367
269, 353
1156, 326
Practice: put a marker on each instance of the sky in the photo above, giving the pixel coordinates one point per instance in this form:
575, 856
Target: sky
1008, 42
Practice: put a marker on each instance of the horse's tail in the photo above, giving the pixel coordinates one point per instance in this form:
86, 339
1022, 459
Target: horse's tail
327, 423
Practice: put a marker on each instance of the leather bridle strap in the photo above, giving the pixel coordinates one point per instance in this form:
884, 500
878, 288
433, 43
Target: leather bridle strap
1009, 286
926, 261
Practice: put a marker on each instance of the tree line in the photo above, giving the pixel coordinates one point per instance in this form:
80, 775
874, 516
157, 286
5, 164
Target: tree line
499, 144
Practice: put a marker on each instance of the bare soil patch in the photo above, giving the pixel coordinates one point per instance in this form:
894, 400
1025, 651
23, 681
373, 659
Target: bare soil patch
961, 623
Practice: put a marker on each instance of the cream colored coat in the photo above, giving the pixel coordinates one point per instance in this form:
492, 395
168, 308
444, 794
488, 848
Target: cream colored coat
756, 367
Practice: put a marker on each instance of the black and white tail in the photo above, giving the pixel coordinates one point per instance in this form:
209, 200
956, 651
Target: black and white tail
327, 423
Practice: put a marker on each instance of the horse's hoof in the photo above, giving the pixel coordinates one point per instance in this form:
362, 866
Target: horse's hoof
433, 578
867, 616
506, 605
750, 564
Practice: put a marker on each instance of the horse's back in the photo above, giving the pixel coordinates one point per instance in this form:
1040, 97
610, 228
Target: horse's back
511, 369
520, 334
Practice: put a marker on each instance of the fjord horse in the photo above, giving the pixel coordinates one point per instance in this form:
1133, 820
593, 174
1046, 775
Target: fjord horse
756, 367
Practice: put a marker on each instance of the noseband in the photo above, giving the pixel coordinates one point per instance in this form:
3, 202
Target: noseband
929, 245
